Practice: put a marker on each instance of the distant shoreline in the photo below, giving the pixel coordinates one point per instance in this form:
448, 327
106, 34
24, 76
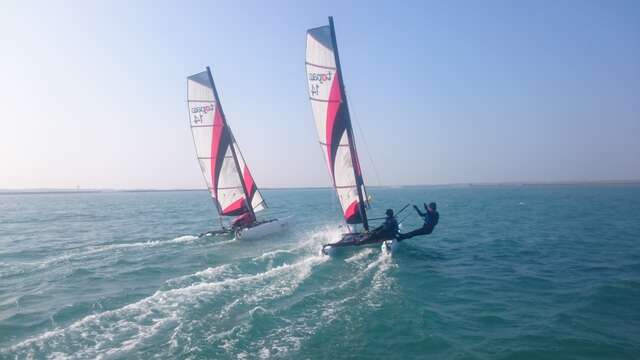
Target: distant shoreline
458, 185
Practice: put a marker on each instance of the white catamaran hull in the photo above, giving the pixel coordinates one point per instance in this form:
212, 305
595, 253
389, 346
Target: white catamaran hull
264, 229
387, 247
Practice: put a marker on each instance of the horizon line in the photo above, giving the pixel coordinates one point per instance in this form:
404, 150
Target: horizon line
77, 190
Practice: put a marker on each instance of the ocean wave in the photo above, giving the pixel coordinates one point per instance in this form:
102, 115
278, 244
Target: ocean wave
360, 255
381, 283
114, 332
245, 310
216, 273
9, 269
271, 254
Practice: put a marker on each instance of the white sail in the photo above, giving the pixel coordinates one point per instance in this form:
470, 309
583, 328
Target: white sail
333, 123
225, 172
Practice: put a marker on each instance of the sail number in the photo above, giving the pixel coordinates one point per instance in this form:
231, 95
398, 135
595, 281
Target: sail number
198, 112
197, 119
317, 79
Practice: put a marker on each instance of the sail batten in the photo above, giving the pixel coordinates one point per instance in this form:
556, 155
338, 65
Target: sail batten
226, 174
333, 122
320, 66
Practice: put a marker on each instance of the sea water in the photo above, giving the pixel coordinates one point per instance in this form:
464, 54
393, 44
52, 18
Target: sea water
522, 272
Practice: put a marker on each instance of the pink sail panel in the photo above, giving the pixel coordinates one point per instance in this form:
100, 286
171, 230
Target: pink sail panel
215, 145
332, 121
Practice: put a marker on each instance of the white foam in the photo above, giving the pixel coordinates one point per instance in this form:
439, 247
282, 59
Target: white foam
316, 238
332, 309
381, 260
224, 242
381, 283
285, 340
264, 353
278, 287
310, 245
363, 254
274, 283
81, 253
7, 269
118, 331
211, 273
183, 239
284, 286
271, 254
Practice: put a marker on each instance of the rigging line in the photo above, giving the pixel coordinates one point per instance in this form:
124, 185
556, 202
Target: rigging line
404, 218
396, 214
364, 141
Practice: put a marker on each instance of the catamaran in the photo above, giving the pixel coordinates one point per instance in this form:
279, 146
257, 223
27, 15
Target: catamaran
335, 132
228, 179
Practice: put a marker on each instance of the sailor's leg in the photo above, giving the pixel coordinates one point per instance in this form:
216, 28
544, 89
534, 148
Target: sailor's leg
416, 232
406, 236
411, 234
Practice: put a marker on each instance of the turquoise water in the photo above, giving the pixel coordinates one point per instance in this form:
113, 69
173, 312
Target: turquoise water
530, 272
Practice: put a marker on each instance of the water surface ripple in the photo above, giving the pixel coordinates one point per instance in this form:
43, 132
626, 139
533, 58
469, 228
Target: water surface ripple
522, 272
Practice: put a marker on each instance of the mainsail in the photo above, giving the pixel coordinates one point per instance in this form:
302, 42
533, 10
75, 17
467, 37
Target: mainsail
225, 172
331, 113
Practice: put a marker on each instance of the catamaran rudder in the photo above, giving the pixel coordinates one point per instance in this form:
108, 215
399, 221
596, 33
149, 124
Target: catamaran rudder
226, 174
333, 123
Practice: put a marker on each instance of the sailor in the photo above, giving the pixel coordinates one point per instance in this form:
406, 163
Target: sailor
243, 221
388, 229
430, 217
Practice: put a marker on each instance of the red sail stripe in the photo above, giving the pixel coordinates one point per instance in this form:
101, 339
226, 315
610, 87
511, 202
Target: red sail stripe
216, 139
351, 212
335, 97
237, 207
249, 184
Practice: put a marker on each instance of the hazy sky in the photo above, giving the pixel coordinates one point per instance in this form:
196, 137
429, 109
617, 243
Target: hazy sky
93, 93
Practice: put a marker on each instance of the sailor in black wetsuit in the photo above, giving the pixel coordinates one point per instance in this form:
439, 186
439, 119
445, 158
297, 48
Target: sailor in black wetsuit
430, 217
388, 230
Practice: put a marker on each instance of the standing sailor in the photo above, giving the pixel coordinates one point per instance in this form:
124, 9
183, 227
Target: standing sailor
430, 217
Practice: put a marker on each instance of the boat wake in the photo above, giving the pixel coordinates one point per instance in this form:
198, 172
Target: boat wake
88, 252
232, 310
114, 332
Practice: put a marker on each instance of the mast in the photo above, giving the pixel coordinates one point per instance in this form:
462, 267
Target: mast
354, 160
233, 151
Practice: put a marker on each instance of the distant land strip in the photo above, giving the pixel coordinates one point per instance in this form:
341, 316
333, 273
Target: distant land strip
40, 191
